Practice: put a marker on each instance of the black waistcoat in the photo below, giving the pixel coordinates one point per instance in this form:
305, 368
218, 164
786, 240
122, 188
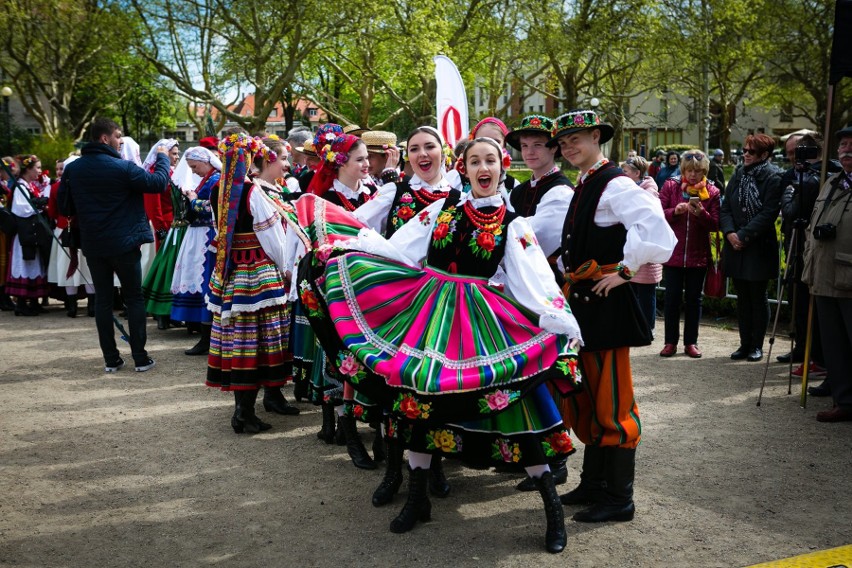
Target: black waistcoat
616, 320
458, 256
337, 198
405, 206
525, 198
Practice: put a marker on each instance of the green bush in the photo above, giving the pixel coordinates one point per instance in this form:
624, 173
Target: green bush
679, 148
49, 149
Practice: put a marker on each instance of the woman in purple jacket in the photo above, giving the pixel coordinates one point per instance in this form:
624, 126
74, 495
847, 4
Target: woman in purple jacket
691, 205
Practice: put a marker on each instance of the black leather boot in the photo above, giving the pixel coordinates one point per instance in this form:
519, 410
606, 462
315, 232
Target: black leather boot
71, 306
301, 389
274, 401
617, 503
417, 507
438, 484
22, 309
354, 446
592, 482
555, 537
392, 480
203, 345
339, 434
379, 454
90, 305
560, 476
326, 433
244, 419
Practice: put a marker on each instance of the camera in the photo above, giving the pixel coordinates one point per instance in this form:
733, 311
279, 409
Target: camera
825, 232
806, 153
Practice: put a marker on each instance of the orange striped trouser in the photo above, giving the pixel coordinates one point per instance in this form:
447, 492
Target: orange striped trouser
604, 413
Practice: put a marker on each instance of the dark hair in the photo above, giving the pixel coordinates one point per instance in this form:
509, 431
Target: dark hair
274, 144
428, 130
672, 153
234, 130
101, 126
761, 143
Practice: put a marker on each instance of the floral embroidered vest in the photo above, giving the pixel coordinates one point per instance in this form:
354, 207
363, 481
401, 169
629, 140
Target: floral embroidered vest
407, 203
458, 246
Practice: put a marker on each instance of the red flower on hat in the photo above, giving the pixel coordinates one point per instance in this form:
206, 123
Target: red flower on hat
536, 121
578, 119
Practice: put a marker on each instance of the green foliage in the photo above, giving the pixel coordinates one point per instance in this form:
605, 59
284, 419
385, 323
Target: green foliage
679, 148
50, 149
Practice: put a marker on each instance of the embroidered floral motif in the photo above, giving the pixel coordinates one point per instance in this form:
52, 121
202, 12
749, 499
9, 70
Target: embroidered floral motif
309, 300
528, 240
404, 211
504, 450
444, 441
484, 241
569, 368
406, 404
445, 224
350, 367
557, 443
424, 218
557, 302
497, 400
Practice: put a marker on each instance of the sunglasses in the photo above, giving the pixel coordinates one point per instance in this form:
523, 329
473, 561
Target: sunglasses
693, 157
750, 151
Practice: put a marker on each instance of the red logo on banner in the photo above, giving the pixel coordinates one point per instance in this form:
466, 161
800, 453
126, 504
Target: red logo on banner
451, 125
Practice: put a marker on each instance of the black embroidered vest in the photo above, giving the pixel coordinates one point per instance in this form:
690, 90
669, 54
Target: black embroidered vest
407, 203
525, 198
458, 246
605, 322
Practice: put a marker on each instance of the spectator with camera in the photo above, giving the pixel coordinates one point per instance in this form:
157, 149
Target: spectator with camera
801, 187
750, 254
828, 271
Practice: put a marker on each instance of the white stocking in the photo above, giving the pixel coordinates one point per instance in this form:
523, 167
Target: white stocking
536, 471
419, 460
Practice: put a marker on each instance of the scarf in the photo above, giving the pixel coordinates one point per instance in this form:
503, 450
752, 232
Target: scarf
749, 194
699, 189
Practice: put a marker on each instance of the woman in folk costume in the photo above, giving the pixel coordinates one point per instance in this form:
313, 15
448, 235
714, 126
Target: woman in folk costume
6, 303
130, 152
494, 128
339, 180
68, 267
157, 285
194, 264
27, 273
247, 290
159, 206
460, 365
393, 206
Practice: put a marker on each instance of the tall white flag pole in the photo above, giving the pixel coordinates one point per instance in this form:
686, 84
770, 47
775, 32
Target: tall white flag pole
451, 101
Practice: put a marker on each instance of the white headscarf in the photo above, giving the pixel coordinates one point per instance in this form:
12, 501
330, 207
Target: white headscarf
183, 177
130, 150
201, 154
169, 143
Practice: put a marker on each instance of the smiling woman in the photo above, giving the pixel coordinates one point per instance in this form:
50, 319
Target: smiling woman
439, 345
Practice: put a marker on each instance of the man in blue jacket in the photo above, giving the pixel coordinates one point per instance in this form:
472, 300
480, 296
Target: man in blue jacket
104, 193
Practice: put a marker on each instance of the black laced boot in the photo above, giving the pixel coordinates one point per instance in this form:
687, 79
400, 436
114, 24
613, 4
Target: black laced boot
617, 502
592, 483
354, 446
560, 476
244, 419
555, 538
392, 480
326, 433
274, 401
417, 507
203, 345
438, 484
71, 306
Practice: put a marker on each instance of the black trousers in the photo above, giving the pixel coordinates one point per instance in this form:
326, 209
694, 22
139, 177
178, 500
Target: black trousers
835, 322
752, 312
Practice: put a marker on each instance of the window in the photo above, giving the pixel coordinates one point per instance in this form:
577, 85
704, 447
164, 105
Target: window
273, 113
532, 108
786, 113
481, 96
312, 112
540, 108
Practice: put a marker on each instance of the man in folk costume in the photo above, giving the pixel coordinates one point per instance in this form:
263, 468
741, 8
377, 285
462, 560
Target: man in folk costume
544, 201
384, 156
612, 228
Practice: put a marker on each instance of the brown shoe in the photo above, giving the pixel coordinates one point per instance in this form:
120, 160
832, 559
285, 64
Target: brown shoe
693, 351
669, 349
836, 414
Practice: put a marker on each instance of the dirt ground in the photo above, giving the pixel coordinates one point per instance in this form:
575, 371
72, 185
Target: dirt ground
142, 469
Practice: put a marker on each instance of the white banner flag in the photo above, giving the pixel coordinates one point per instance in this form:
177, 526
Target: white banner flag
451, 101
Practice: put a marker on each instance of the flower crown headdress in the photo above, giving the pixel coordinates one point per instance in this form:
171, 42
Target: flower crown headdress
28, 161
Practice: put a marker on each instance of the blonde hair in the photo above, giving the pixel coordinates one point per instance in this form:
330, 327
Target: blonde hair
695, 160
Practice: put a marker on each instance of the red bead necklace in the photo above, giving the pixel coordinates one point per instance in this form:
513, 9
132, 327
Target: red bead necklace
429, 197
484, 221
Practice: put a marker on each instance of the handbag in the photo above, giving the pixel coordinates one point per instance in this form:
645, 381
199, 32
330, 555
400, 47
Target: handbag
715, 283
